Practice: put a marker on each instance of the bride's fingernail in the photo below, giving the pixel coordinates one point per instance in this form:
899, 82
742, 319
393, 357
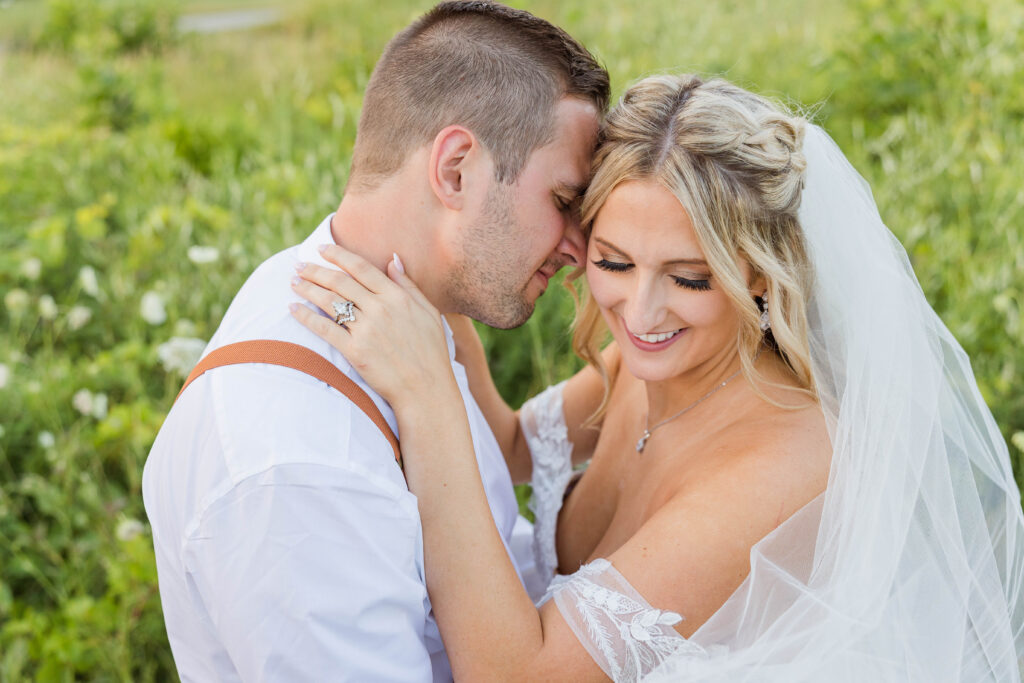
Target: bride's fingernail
299, 266
293, 307
296, 281
398, 263
322, 248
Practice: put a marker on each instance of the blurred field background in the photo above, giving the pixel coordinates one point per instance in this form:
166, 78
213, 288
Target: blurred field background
145, 171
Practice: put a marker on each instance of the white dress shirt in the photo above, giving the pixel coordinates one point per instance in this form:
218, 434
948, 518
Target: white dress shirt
287, 544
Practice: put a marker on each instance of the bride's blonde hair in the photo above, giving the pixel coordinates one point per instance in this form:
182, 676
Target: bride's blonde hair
734, 161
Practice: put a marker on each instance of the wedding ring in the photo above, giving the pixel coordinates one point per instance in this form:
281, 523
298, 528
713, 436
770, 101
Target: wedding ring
344, 311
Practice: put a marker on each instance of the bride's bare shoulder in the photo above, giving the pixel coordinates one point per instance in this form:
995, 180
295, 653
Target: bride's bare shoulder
780, 455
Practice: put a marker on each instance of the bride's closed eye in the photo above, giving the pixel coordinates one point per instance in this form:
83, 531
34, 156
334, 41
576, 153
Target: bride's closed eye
696, 285
613, 266
699, 285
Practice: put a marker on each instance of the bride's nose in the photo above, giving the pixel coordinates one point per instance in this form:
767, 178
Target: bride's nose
644, 309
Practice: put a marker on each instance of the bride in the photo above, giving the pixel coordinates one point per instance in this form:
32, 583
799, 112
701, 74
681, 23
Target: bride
792, 474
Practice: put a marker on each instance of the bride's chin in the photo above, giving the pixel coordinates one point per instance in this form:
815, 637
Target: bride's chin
649, 370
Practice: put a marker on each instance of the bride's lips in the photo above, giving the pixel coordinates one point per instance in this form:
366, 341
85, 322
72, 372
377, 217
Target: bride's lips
653, 346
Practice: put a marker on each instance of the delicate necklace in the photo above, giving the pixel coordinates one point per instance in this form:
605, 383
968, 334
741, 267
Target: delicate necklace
647, 432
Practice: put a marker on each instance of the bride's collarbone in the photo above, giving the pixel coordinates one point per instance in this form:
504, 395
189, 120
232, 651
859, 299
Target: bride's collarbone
622, 489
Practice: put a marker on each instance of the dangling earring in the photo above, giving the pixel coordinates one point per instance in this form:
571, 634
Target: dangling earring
765, 322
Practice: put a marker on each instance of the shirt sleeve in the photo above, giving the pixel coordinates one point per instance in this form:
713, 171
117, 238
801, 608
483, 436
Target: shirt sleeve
627, 637
543, 424
309, 573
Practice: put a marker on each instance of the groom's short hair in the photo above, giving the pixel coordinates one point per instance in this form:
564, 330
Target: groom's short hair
497, 71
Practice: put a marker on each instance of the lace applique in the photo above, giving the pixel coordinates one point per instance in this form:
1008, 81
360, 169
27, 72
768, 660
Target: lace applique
625, 635
546, 435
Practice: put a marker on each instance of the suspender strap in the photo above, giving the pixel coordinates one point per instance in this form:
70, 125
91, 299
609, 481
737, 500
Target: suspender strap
298, 358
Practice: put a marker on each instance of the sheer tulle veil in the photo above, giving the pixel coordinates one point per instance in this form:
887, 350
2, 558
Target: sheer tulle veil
910, 566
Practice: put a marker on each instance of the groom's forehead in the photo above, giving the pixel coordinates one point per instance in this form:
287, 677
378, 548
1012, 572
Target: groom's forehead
576, 129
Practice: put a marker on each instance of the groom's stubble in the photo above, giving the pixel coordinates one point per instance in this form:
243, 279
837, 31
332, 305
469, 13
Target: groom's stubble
488, 283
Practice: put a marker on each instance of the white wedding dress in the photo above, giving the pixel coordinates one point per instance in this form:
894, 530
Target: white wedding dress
909, 567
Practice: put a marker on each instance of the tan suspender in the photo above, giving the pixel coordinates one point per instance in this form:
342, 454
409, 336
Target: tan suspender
298, 358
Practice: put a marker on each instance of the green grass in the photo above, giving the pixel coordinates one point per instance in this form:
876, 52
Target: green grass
120, 149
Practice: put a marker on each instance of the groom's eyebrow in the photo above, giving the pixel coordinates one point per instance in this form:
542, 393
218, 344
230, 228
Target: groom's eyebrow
570, 189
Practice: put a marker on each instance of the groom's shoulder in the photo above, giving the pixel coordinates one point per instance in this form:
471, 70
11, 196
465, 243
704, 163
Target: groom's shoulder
260, 415
260, 425
269, 415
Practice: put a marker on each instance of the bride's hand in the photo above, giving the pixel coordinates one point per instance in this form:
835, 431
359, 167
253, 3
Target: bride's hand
396, 341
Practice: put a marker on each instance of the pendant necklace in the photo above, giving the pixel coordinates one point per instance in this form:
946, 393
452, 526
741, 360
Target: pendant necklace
649, 430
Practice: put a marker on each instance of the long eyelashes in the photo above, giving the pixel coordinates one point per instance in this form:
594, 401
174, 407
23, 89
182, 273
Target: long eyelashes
613, 266
686, 283
696, 285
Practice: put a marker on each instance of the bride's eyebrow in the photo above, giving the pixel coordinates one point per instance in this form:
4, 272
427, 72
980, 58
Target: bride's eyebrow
672, 262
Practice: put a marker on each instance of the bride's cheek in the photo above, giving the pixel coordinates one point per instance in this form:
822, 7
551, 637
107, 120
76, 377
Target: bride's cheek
602, 288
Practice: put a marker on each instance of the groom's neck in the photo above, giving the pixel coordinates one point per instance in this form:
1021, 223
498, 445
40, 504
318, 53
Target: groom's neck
390, 219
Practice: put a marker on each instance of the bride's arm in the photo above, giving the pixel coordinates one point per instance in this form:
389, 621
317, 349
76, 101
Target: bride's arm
581, 396
491, 627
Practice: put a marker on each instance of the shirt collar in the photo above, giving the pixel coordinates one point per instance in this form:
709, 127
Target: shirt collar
450, 338
308, 253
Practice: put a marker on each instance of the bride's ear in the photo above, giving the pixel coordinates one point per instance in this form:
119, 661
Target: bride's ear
759, 286
453, 154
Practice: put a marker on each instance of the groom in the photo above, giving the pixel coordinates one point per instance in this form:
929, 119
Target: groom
287, 544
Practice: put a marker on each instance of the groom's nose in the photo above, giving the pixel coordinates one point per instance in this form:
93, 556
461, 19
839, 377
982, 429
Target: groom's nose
572, 247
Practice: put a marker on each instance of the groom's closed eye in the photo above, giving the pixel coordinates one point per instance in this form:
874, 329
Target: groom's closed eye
568, 196
569, 204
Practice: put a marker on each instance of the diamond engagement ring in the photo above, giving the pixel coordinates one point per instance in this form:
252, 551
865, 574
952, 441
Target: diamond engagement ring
344, 311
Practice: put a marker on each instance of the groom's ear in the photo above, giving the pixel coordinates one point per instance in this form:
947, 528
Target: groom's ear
453, 155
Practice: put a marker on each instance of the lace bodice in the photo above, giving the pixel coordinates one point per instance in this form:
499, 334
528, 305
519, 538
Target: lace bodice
543, 426
627, 637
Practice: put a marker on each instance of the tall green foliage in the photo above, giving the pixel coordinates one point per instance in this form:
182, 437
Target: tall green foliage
144, 174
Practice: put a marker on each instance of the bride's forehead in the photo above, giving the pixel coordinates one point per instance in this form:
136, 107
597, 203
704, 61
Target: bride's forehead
643, 215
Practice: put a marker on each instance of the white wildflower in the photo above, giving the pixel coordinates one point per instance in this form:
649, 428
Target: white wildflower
5, 375
82, 401
47, 307
32, 268
152, 308
180, 354
99, 406
183, 327
1018, 440
78, 316
90, 404
202, 255
46, 440
88, 280
16, 300
129, 528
